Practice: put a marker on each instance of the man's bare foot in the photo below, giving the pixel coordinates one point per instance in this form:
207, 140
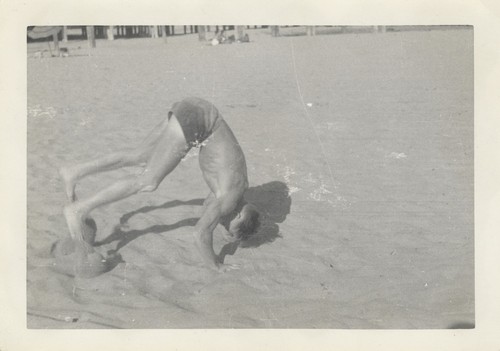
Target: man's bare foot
88, 262
69, 183
225, 267
80, 227
74, 220
66, 246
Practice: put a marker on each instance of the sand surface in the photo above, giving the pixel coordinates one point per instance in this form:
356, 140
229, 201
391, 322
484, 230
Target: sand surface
360, 155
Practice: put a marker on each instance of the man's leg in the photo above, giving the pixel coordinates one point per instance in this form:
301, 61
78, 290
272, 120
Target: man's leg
169, 151
136, 157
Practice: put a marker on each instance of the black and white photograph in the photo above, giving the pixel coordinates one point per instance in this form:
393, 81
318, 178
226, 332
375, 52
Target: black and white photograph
249, 175
217, 176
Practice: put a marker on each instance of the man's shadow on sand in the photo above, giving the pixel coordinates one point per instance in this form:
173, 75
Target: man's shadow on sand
272, 199
274, 203
124, 237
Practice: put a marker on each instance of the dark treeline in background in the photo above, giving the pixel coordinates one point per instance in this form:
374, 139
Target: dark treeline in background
112, 32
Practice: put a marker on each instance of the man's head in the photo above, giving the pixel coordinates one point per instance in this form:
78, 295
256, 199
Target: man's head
244, 224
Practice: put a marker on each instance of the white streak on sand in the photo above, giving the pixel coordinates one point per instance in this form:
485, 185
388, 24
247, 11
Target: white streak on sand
396, 155
287, 173
309, 117
39, 112
318, 193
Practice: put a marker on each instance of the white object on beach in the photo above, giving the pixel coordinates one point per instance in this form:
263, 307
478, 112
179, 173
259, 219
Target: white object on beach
397, 155
309, 104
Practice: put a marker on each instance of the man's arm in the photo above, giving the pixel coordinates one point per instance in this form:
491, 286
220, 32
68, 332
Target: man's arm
204, 230
214, 209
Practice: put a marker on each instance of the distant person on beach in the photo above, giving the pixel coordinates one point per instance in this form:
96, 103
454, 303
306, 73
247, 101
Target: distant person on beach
219, 38
245, 39
192, 122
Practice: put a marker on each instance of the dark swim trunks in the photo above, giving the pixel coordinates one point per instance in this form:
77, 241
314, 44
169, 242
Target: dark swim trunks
198, 119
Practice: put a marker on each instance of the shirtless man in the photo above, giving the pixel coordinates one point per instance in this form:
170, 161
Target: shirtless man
192, 122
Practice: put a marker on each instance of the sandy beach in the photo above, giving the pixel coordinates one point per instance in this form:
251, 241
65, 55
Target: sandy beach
359, 148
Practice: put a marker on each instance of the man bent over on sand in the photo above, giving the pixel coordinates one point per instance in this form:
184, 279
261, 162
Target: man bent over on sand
192, 122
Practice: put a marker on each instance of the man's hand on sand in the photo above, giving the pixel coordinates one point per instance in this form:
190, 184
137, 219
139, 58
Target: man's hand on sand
224, 267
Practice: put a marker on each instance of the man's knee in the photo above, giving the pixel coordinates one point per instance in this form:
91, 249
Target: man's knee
147, 183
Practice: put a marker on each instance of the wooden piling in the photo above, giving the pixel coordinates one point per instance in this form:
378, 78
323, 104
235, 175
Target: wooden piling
202, 36
239, 31
154, 32
311, 30
275, 31
65, 34
55, 38
91, 36
110, 33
